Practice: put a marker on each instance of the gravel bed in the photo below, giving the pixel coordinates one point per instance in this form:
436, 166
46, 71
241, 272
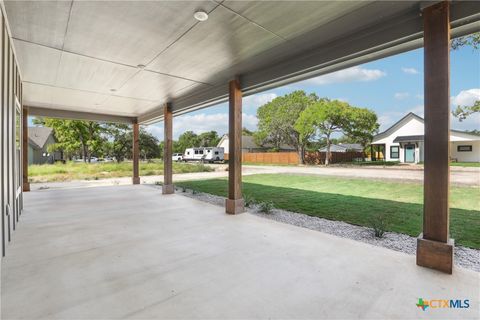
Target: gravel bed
464, 257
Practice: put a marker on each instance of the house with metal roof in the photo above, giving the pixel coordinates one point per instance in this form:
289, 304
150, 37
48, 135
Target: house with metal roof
39, 140
405, 141
343, 147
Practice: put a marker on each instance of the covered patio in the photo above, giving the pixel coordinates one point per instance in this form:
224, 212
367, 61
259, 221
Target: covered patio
141, 252
131, 252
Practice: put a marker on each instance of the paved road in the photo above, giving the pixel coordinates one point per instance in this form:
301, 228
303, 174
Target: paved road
458, 176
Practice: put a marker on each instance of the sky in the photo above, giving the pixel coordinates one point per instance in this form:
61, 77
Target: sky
391, 87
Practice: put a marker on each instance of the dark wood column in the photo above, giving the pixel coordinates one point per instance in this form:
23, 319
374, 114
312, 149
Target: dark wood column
234, 203
136, 154
434, 247
26, 184
167, 150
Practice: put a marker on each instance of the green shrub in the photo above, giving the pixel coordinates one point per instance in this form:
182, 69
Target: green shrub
248, 200
379, 224
266, 207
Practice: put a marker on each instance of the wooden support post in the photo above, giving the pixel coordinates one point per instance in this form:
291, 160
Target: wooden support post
136, 154
167, 150
26, 184
434, 247
234, 204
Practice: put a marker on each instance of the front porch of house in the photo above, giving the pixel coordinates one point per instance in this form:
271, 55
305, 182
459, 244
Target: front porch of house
131, 252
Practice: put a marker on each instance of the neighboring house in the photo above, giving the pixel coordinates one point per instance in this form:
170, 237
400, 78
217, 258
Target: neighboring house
39, 138
404, 142
249, 145
344, 147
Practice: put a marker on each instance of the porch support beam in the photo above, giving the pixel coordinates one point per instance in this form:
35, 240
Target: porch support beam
234, 204
167, 150
136, 154
25, 183
434, 246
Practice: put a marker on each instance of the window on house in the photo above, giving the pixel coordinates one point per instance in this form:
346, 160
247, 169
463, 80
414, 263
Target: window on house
394, 152
201, 151
216, 152
464, 148
196, 151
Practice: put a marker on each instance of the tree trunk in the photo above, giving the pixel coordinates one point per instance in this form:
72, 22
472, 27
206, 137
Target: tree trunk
301, 154
84, 152
327, 156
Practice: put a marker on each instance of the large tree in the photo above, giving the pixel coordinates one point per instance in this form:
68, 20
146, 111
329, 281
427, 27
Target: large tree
473, 40
188, 139
468, 40
462, 112
323, 119
362, 125
75, 135
208, 139
327, 117
277, 119
121, 138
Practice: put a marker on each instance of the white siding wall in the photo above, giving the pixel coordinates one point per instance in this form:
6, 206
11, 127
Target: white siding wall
413, 127
473, 156
224, 144
11, 201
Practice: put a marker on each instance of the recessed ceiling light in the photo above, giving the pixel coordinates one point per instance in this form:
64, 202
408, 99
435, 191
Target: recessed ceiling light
200, 15
113, 90
141, 66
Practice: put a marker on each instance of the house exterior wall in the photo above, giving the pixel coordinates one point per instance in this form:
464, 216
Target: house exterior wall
415, 127
411, 128
223, 144
465, 156
31, 151
11, 197
36, 156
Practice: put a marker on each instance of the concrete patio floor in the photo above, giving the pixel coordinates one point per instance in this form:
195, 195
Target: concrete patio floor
130, 252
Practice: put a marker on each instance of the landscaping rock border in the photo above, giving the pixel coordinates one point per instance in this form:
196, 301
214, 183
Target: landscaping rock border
464, 257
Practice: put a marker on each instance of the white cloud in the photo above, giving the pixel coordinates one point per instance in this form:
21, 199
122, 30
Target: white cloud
401, 95
200, 123
410, 70
419, 110
353, 74
258, 100
465, 97
388, 118
472, 122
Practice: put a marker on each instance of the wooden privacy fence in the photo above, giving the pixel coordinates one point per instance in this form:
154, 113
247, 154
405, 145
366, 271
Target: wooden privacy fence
293, 158
336, 157
269, 157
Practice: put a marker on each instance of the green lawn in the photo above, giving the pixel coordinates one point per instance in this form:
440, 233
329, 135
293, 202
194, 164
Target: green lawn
357, 201
94, 171
465, 164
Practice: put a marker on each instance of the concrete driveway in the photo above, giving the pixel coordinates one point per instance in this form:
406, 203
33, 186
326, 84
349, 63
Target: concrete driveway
458, 176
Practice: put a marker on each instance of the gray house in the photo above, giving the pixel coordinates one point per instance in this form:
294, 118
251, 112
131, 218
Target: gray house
39, 138
344, 147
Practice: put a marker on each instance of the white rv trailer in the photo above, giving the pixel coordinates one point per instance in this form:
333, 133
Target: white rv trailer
204, 154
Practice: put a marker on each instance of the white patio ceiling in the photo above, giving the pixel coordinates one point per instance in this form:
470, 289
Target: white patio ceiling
127, 58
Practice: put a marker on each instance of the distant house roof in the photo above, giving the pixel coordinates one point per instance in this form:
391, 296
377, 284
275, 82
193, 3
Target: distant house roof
343, 147
404, 120
408, 138
38, 136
